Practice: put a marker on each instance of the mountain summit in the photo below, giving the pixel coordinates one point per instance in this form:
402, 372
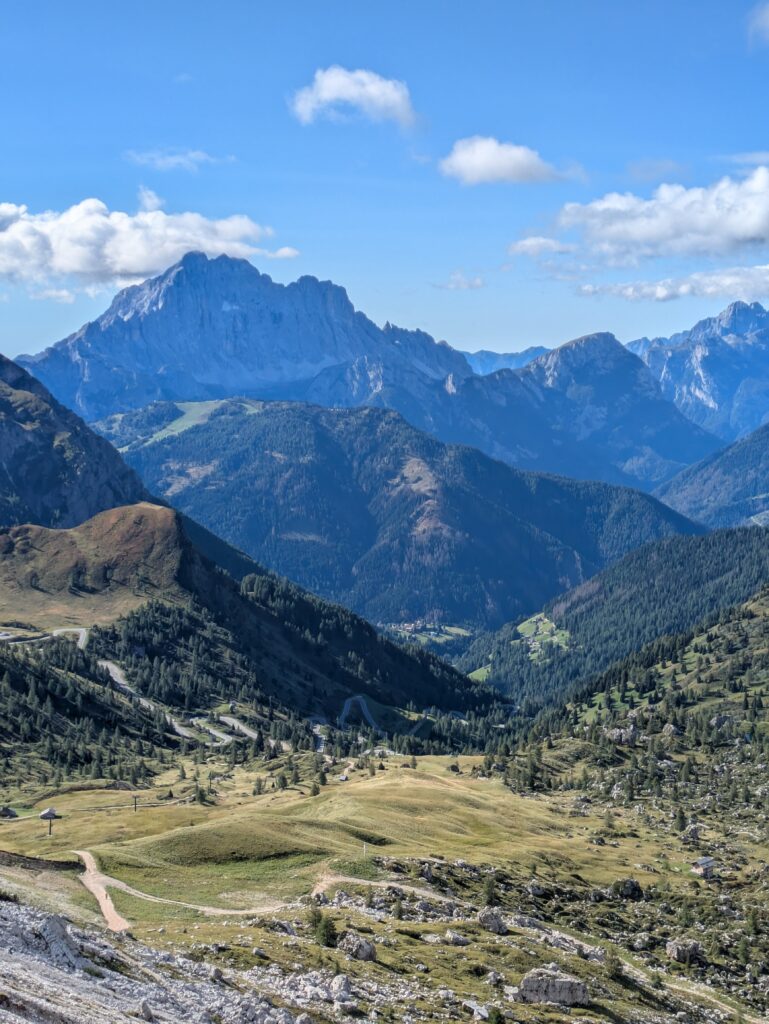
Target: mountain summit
717, 373
211, 328
217, 328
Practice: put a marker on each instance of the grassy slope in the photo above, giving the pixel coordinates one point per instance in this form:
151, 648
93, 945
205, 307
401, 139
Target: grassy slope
251, 853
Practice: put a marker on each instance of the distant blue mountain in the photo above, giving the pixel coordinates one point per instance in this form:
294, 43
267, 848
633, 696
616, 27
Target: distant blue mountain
718, 372
217, 328
484, 361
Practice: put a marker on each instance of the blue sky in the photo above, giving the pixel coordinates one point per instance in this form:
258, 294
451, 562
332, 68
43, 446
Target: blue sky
497, 173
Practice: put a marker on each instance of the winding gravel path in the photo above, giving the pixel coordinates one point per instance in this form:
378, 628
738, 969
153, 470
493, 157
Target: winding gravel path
97, 883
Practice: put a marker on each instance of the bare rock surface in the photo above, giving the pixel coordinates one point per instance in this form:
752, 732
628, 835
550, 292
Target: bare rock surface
551, 985
52, 971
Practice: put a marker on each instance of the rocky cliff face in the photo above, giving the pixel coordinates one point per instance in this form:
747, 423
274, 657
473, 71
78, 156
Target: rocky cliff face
214, 328
208, 329
600, 395
718, 372
54, 471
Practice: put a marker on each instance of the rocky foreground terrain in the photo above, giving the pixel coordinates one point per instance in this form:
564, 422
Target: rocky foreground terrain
53, 972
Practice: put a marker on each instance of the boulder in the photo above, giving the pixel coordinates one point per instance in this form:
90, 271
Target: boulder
491, 921
357, 947
684, 951
478, 1010
340, 988
454, 938
551, 985
627, 889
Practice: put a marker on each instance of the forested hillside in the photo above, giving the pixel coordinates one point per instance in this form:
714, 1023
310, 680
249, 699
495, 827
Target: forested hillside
662, 589
728, 488
60, 713
359, 506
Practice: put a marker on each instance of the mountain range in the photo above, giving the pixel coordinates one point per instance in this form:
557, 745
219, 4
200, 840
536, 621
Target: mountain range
359, 506
82, 544
717, 373
210, 329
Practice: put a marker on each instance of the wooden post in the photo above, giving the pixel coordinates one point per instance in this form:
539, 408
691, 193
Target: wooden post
136, 801
50, 826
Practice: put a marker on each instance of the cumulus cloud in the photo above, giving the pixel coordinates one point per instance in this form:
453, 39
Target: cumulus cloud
88, 245
748, 283
173, 159
482, 159
335, 89
538, 245
458, 282
758, 23
724, 217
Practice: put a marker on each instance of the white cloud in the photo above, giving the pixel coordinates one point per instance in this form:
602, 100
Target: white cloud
149, 200
173, 159
285, 252
482, 159
758, 23
538, 245
88, 245
677, 221
335, 88
748, 283
458, 282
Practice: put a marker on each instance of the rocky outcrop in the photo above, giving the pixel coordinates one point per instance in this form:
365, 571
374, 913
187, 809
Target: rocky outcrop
53, 971
627, 889
356, 946
684, 951
551, 985
491, 921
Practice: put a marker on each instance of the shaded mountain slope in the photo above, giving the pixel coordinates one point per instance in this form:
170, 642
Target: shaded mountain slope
117, 563
359, 506
728, 488
53, 469
662, 589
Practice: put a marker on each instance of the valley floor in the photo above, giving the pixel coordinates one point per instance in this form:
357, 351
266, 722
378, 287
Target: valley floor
403, 861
